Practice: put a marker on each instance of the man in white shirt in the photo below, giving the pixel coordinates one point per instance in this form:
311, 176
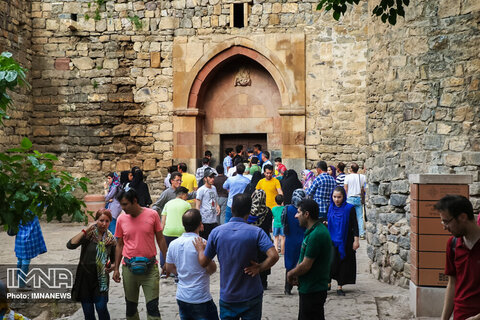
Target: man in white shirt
265, 160
207, 203
355, 188
193, 290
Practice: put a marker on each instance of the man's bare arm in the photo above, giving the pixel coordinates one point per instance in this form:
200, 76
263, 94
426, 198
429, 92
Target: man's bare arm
255, 268
171, 268
161, 244
448, 301
118, 259
212, 267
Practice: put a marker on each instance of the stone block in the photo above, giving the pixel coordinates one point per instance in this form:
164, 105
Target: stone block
62, 64
453, 159
72, 7
167, 23
155, 59
448, 8
398, 200
110, 64
149, 164
426, 301
276, 7
290, 7
41, 131
121, 129
84, 63
91, 165
123, 165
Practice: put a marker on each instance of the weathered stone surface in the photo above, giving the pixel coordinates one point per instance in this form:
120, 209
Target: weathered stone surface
84, 63
398, 200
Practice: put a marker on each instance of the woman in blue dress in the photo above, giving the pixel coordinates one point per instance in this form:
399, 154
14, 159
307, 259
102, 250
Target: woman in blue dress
293, 235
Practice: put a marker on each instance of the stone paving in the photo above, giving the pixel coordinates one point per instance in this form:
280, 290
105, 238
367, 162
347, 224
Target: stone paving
368, 299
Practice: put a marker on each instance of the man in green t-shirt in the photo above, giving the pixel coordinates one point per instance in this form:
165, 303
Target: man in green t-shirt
312, 273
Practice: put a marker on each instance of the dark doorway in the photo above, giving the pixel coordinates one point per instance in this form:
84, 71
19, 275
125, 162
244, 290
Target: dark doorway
247, 140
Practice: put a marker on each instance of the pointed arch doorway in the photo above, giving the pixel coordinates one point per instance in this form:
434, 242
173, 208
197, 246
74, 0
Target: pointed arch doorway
238, 92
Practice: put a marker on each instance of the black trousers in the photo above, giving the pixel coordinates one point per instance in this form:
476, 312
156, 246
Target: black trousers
311, 306
207, 228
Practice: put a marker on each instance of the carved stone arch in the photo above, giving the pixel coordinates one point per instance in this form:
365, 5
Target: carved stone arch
189, 78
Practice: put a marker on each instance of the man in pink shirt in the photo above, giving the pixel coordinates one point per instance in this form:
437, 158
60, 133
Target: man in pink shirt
137, 231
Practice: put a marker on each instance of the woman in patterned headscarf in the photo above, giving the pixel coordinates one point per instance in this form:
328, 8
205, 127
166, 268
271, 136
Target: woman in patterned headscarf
112, 189
261, 216
307, 179
97, 259
293, 234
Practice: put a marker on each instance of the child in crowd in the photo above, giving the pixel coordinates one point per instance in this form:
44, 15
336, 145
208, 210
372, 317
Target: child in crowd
277, 224
279, 168
254, 167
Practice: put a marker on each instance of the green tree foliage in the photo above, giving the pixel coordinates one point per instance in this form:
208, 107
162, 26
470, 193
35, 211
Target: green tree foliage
28, 180
11, 75
387, 10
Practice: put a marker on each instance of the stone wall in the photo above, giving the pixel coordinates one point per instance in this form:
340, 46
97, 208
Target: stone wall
103, 92
423, 116
336, 87
15, 37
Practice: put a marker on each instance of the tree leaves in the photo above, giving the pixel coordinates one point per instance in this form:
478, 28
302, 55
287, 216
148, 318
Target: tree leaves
27, 144
387, 10
11, 75
29, 185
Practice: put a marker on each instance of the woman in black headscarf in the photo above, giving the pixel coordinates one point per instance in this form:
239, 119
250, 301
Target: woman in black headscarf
144, 199
250, 188
262, 217
124, 181
289, 184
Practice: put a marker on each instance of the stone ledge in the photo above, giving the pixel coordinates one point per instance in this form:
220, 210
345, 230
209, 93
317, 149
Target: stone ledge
292, 112
440, 178
193, 112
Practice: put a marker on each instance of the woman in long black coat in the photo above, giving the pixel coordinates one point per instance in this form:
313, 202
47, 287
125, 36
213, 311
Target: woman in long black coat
343, 227
289, 183
144, 199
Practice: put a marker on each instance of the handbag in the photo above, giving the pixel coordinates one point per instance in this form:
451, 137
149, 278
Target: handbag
139, 265
362, 194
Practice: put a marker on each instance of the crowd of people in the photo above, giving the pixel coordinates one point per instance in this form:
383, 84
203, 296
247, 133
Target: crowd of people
229, 212
247, 212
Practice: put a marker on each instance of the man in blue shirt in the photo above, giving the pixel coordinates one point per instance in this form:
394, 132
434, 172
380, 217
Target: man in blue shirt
322, 188
228, 160
237, 244
234, 185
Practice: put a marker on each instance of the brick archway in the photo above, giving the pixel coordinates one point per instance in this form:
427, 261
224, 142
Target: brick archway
189, 116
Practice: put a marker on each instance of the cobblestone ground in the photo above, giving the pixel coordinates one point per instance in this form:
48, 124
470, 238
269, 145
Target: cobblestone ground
368, 299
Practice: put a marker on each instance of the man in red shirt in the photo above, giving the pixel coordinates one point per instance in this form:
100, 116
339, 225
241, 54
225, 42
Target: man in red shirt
462, 296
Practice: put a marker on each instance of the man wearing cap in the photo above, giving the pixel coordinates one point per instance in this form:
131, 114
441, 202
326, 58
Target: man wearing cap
207, 203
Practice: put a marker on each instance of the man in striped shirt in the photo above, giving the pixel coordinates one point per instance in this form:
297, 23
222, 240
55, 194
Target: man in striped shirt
341, 174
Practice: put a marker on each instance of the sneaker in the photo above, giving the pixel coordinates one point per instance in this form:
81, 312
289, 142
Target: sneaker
340, 292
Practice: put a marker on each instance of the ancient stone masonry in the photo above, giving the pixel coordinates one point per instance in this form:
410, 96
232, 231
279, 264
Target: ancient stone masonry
15, 37
402, 99
103, 92
423, 117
